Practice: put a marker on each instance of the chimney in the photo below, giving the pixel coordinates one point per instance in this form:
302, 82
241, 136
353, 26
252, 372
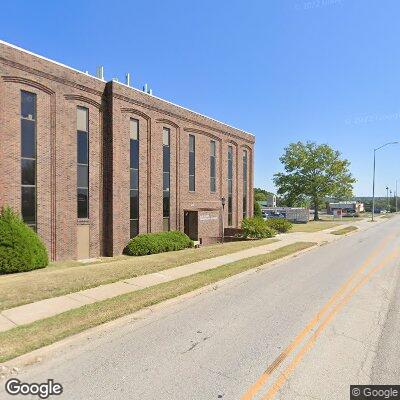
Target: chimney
145, 88
128, 79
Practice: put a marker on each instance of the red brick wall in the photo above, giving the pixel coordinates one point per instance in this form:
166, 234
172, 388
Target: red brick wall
59, 91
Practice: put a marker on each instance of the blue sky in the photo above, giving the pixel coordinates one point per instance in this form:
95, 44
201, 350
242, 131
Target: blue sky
285, 70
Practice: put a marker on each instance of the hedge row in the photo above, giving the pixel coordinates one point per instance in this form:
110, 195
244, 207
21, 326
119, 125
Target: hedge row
20, 247
256, 228
281, 225
153, 243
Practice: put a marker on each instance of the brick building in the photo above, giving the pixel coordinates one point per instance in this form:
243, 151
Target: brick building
90, 163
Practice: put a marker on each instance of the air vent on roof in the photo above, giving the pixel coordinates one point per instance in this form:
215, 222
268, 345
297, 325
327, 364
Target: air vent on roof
128, 79
100, 72
147, 90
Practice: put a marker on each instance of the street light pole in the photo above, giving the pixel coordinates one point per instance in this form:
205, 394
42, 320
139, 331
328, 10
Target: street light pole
373, 177
223, 216
373, 189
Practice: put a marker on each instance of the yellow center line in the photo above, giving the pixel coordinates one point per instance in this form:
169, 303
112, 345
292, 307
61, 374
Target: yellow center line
252, 391
310, 343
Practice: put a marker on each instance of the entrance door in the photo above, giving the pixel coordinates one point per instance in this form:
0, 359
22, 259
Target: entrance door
191, 224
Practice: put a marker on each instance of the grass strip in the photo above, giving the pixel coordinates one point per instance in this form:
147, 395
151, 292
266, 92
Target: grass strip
345, 230
314, 226
68, 277
388, 216
26, 338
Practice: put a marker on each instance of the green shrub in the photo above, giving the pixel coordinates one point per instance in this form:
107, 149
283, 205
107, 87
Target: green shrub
21, 249
257, 210
279, 224
153, 243
256, 228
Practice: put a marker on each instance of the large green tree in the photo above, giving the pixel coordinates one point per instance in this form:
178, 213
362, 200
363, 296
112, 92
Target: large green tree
261, 194
313, 172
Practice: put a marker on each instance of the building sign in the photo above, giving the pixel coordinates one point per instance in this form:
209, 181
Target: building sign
207, 217
337, 212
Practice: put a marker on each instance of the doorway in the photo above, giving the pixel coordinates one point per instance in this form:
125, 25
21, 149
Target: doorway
191, 224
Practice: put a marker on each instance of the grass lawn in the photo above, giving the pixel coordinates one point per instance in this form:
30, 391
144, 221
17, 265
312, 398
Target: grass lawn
29, 337
361, 217
67, 277
345, 230
314, 226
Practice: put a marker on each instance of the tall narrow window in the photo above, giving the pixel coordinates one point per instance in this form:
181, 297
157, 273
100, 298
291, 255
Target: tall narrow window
192, 164
230, 184
213, 154
134, 177
83, 161
166, 178
244, 183
28, 158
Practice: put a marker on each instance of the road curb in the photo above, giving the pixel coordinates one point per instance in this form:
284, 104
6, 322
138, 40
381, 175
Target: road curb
38, 355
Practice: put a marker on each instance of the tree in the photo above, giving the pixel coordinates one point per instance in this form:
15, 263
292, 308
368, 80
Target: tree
257, 210
261, 194
313, 172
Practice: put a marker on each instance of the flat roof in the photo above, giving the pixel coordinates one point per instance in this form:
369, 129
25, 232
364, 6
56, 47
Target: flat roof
344, 202
123, 84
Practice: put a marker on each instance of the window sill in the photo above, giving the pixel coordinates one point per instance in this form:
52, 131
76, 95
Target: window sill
83, 221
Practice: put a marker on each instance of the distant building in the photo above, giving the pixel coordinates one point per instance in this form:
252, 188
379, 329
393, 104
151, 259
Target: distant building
270, 202
347, 207
293, 214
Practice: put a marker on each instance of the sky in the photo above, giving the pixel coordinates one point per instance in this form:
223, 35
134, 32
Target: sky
285, 70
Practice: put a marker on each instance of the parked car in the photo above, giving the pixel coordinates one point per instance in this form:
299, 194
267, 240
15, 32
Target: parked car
273, 215
264, 215
351, 213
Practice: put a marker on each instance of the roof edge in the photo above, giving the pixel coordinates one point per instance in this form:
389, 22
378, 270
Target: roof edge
123, 84
185, 108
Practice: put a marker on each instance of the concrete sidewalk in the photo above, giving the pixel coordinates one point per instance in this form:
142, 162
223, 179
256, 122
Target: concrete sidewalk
28, 313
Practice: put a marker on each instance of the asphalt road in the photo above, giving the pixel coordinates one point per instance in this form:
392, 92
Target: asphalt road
219, 343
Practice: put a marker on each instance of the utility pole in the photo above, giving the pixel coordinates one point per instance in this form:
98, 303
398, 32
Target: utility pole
390, 200
396, 197
387, 197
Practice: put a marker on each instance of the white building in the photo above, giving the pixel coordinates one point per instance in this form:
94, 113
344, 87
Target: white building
347, 207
